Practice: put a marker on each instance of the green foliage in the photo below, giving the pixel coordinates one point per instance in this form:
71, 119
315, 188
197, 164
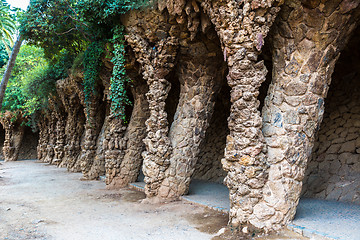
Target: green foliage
7, 24
4, 56
78, 63
92, 64
65, 29
119, 79
33, 81
54, 26
28, 58
107, 11
29, 64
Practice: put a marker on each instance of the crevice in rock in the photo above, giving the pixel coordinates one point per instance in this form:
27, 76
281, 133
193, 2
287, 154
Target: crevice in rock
173, 98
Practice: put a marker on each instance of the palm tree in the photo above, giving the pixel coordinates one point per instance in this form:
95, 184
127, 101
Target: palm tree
7, 29
7, 25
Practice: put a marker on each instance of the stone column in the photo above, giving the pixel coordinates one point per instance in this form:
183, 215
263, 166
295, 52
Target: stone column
94, 120
131, 163
156, 52
74, 128
98, 166
43, 137
51, 137
201, 73
60, 137
114, 146
307, 40
242, 27
158, 148
14, 133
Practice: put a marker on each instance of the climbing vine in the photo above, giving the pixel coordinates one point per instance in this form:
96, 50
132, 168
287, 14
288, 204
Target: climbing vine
92, 64
78, 30
119, 79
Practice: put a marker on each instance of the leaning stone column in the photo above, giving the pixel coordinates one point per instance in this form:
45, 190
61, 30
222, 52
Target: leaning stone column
52, 137
156, 56
201, 77
94, 121
242, 27
43, 137
59, 150
307, 40
14, 133
114, 146
97, 168
131, 163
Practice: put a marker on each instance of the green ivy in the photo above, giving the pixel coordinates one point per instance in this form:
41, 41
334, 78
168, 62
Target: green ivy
92, 64
119, 79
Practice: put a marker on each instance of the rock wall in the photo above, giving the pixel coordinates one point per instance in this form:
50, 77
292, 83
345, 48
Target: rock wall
333, 172
208, 166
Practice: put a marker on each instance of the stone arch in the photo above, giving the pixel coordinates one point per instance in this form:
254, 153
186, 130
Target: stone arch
30, 141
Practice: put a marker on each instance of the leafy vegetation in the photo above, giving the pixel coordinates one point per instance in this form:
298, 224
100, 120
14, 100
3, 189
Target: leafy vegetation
119, 80
64, 34
4, 56
7, 24
92, 64
33, 80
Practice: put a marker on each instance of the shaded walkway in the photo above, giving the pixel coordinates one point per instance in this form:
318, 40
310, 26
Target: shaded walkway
40, 201
329, 219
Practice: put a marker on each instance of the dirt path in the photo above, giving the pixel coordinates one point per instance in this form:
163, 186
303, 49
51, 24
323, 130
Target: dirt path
38, 201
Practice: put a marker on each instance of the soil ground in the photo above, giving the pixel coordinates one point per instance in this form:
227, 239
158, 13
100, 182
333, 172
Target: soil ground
38, 201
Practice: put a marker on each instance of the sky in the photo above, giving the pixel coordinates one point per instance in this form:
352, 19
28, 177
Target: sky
19, 3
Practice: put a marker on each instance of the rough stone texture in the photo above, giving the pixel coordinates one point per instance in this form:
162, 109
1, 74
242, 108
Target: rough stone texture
307, 41
156, 63
200, 71
242, 28
74, 122
208, 166
43, 137
265, 155
129, 166
333, 172
14, 133
59, 150
95, 115
2, 139
114, 146
28, 149
49, 152
97, 168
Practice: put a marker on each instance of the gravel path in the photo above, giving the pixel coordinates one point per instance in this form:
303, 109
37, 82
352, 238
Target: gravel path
39, 201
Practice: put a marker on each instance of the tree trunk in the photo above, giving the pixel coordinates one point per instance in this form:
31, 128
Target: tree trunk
9, 68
